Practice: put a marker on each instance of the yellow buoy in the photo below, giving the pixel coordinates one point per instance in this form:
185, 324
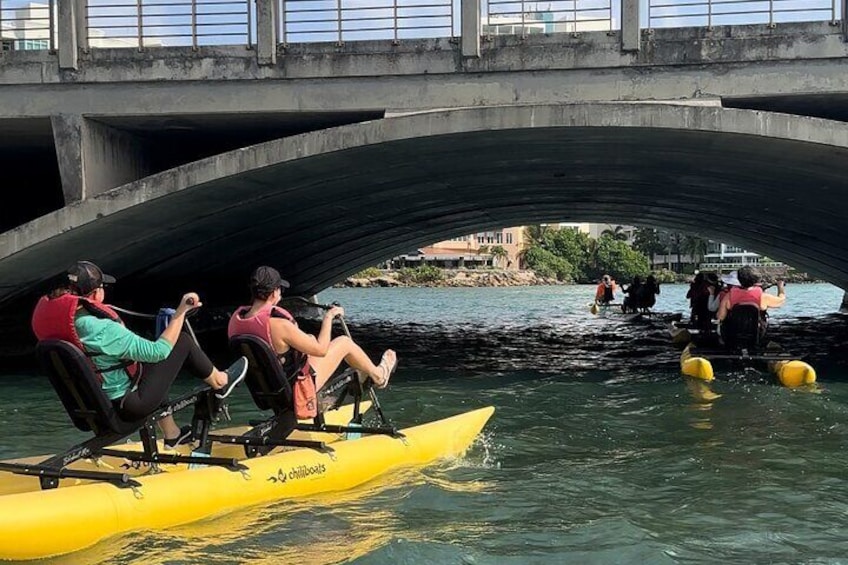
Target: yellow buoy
793, 374
696, 367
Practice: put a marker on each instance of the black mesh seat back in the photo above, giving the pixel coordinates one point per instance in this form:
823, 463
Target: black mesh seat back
265, 378
743, 327
78, 386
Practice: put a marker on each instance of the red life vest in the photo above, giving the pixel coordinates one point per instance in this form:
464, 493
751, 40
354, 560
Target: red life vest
295, 366
259, 325
53, 318
750, 296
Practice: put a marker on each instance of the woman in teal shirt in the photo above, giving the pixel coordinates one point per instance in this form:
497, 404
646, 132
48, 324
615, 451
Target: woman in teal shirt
160, 360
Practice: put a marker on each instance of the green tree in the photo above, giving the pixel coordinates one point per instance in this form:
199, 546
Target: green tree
695, 247
617, 233
671, 242
571, 245
648, 242
619, 260
533, 236
547, 264
498, 255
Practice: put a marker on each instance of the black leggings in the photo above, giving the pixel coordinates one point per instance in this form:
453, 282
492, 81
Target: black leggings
157, 378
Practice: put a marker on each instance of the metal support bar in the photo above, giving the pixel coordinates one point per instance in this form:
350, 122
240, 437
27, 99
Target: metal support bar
265, 441
118, 479
334, 429
231, 463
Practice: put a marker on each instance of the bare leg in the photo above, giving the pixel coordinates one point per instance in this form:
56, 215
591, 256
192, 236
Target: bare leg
169, 427
344, 349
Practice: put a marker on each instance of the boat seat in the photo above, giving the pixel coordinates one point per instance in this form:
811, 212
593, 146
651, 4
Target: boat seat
744, 327
73, 377
75, 380
272, 390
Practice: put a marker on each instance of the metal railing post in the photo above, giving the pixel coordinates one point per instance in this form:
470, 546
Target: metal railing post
81, 22
470, 26
631, 34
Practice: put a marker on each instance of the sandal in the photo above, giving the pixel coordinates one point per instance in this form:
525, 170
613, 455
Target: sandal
388, 370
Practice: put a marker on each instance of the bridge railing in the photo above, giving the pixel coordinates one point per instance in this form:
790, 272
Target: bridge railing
352, 20
523, 17
71, 27
709, 13
27, 25
147, 23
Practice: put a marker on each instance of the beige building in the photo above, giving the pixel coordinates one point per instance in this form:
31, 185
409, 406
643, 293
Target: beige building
472, 250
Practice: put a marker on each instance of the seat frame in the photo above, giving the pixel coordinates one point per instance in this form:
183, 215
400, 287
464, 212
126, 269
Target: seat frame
272, 390
74, 377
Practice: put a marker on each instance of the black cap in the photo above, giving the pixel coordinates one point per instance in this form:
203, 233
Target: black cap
85, 277
266, 280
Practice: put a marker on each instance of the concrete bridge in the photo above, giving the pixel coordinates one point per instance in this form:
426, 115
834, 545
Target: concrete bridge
181, 167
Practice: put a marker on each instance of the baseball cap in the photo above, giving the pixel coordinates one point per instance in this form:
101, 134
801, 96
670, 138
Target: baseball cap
731, 278
267, 279
85, 277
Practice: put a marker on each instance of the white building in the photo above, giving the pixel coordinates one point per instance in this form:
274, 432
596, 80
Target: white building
27, 28
502, 21
724, 257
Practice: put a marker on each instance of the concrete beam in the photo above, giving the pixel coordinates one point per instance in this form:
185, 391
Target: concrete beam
94, 158
844, 307
631, 33
67, 134
470, 28
266, 32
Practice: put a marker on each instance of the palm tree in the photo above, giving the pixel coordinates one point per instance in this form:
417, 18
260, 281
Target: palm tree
534, 236
483, 250
695, 247
647, 241
617, 233
498, 253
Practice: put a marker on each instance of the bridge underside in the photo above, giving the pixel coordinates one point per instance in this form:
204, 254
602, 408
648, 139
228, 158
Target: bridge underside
323, 205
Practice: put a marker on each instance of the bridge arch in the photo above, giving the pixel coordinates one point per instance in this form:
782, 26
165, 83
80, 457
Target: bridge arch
325, 204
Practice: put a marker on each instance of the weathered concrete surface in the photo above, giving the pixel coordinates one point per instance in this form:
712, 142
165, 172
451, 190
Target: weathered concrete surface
323, 205
681, 63
94, 158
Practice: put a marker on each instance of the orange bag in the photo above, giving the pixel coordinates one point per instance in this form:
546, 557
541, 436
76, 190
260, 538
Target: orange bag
305, 403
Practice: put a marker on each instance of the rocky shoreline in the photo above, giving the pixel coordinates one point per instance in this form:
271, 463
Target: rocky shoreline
454, 278
470, 278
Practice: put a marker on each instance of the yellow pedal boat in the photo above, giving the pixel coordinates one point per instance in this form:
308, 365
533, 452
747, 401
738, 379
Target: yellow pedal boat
37, 523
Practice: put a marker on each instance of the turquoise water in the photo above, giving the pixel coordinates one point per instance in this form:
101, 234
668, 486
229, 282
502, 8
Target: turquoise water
597, 452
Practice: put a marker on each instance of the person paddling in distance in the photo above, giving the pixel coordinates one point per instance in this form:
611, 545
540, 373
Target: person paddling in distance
136, 373
748, 293
605, 292
300, 352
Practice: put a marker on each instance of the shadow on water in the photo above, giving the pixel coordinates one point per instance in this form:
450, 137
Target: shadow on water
579, 348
